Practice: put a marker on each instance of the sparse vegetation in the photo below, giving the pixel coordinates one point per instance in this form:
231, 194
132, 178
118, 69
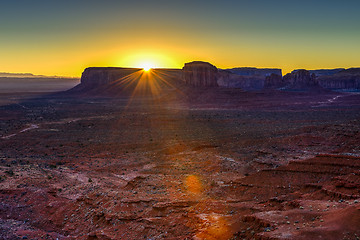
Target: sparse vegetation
10, 172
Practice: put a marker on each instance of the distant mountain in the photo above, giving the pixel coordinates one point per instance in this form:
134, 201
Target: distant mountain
28, 82
28, 75
19, 75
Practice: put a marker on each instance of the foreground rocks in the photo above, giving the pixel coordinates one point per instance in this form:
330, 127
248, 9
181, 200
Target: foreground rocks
239, 165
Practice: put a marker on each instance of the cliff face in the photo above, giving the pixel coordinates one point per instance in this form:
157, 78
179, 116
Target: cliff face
113, 81
249, 71
345, 79
101, 76
274, 81
326, 72
300, 79
246, 78
200, 74
232, 80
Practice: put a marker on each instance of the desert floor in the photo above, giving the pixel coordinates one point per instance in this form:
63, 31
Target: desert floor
241, 166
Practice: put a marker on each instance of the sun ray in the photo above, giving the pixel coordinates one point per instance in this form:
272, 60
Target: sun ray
147, 66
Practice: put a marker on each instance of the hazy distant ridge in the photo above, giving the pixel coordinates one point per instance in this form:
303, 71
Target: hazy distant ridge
28, 75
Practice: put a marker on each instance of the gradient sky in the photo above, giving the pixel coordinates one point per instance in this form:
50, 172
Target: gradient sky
63, 37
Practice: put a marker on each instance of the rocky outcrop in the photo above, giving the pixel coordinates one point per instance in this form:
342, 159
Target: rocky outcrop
345, 79
274, 81
249, 71
114, 81
326, 72
100, 76
246, 78
232, 80
200, 74
300, 79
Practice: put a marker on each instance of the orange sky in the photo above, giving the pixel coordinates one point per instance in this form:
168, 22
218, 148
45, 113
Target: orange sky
63, 38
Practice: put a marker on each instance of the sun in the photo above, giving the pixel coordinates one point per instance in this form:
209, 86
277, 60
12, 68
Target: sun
147, 66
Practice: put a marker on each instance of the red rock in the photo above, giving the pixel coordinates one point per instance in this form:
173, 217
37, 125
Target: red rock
300, 79
200, 74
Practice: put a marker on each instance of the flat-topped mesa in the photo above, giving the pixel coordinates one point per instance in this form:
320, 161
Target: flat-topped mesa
247, 78
345, 79
300, 79
200, 74
252, 71
100, 76
326, 72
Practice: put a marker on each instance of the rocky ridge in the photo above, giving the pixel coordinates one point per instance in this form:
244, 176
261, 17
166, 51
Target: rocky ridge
200, 74
345, 79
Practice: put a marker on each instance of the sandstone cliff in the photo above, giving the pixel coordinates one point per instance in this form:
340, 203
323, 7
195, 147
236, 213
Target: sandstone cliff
110, 81
246, 78
345, 79
250, 71
274, 81
300, 79
100, 76
200, 74
232, 80
326, 72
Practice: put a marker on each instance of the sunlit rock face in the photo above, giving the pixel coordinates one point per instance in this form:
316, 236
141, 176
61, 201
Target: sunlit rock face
300, 79
273, 81
100, 76
200, 74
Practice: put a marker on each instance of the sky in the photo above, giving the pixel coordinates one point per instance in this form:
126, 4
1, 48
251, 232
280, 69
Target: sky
64, 37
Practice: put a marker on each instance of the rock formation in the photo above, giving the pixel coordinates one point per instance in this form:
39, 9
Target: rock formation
326, 72
345, 79
249, 71
246, 78
300, 79
335, 79
273, 81
200, 74
100, 76
232, 80
114, 81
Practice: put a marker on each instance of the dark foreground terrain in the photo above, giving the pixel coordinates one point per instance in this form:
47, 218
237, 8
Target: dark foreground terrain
241, 165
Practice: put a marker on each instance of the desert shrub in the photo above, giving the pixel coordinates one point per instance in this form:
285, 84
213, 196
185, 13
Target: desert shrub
9, 172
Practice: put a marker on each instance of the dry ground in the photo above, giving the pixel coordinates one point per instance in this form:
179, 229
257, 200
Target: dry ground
235, 165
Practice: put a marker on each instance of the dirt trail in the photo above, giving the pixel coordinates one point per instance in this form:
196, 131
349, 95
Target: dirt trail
31, 127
